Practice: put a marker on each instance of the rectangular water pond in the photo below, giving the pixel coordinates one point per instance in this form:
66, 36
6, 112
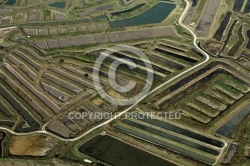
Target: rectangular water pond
172, 137
156, 14
247, 7
34, 125
182, 131
238, 5
228, 128
118, 153
167, 145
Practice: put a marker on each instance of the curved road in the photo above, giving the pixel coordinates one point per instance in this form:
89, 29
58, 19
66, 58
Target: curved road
135, 104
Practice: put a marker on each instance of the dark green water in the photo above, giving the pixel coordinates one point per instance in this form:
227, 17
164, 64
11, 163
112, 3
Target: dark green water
165, 144
10, 2
171, 137
156, 14
182, 131
228, 128
58, 5
22, 111
118, 153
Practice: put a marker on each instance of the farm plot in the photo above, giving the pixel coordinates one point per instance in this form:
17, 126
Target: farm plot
139, 72
103, 105
245, 54
163, 64
65, 86
229, 155
171, 58
83, 122
13, 60
213, 47
65, 29
39, 89
28, 60
28, 72
31, 145
94, 108
52, 44
208, 104
53, 31
89, 115
199, 6
75, 127
31, 32
26, 3
31, 88
68, 75
122, 77
42, 44
206, 96
160, 71
105, 37
50, 86
173, 55
5, 11
83, 117
34, 15
60, 129
207, 17
55, 92
33, 53
96, 10
47, 15
60, 16
77, 72
5, 20
166, 45
191, 13
20, 17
